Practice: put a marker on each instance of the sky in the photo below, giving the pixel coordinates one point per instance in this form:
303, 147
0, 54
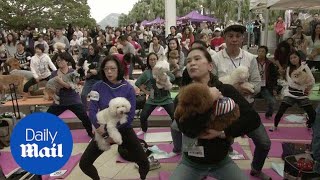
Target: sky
101, 8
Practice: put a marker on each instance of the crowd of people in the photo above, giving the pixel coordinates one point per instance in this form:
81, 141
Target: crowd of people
197, 54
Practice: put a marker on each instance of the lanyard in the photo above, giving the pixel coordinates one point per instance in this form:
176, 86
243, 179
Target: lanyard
261, 67
234, 63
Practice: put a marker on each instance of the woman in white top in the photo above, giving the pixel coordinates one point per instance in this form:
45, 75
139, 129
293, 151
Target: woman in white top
296, 92
155, 47
40, 64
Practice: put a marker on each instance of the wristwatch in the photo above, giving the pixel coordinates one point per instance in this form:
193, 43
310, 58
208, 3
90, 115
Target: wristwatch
222, 135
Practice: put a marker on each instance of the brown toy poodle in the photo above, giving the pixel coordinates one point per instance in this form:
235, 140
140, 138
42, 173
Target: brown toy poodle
198, 111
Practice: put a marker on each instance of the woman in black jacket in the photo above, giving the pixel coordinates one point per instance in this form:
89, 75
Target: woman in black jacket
212, 147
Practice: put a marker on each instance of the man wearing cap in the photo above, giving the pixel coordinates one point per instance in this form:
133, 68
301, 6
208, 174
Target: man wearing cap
226, 61
217, 41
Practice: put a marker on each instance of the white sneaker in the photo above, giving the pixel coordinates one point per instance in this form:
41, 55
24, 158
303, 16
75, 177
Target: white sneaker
140, 133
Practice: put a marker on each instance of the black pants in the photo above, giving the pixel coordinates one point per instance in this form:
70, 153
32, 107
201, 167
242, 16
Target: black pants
32, 82
284, 106
147, 110
130, 141
78, 110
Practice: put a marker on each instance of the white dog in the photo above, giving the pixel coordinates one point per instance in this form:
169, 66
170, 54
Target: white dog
159, 72
239, 76
116, 112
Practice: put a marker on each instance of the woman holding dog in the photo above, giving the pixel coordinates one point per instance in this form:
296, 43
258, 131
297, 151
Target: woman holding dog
296, 92
94, 59
212, 144
157, 97
112, 85
69, 98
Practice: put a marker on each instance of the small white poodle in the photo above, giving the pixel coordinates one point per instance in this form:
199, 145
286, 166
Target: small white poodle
116, 112
159, 73
239, 76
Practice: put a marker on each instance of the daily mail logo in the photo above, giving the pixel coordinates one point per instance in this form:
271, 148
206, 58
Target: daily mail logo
40, 139
32, 150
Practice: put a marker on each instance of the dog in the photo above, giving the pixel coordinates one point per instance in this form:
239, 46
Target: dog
111, 116
239, 76
83, 70
6, 80
13, 64
197, 110
53, 86
159, 73
301, 77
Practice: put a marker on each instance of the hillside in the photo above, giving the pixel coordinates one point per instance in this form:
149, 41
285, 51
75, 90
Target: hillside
111, 20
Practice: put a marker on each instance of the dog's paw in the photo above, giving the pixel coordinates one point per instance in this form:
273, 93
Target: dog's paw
117, 140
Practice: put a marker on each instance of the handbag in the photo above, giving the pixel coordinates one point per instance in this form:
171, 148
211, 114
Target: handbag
299, 167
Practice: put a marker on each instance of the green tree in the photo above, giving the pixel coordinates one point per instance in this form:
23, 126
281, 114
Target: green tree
18, 14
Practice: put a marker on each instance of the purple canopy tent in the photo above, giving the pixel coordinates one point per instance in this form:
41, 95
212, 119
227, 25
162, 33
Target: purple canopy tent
156, 21
194, 16
143, 23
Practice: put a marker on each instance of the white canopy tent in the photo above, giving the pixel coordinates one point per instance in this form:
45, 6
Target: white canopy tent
282, 5
293, 4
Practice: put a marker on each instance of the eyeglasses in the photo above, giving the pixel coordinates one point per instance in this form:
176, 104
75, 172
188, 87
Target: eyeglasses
113, 69
60, 60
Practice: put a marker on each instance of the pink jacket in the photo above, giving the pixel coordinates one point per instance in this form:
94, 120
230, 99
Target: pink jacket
280, 28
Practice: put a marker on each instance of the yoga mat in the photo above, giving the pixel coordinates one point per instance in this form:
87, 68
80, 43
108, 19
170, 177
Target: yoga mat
158, 137
162, 112
271, 120
67, 115
72, 162
164, 147
152, 130
270, 172
80, 136
237, 147
276, 147
275, 150
7, 162
295, 133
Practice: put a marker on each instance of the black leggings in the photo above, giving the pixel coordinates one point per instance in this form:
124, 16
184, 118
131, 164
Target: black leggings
147, 110
32, 82
284, 106
130, 141
78, 110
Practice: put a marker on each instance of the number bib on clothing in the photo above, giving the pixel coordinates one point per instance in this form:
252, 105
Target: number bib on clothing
196, 151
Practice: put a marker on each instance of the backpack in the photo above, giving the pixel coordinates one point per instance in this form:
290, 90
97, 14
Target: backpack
8, 120
6, 127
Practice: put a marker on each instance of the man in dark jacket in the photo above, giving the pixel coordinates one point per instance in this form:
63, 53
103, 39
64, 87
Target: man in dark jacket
269, 76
